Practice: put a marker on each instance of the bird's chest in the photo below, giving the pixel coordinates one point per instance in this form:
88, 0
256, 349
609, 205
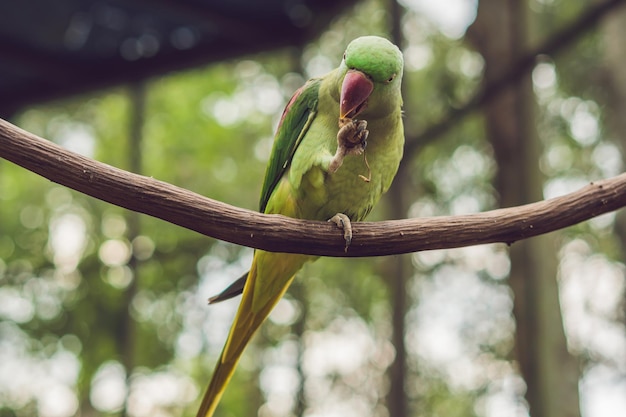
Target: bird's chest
352, 190
356, 185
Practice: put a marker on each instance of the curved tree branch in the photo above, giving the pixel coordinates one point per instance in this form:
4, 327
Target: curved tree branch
283, 234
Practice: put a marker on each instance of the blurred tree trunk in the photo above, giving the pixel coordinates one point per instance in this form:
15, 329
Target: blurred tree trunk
137, 94
398, 271
550, 372
614, 33
398, 268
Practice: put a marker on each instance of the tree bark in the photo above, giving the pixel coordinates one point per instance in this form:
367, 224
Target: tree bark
550, 372
283, 234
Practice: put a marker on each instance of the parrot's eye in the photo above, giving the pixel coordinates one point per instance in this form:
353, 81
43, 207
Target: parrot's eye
344, 56
391, 78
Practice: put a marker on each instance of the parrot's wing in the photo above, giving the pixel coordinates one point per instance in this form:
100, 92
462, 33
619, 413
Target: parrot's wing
293, 125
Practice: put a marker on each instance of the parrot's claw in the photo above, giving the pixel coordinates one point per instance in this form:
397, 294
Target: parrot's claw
343, 222
353, 135
351, 140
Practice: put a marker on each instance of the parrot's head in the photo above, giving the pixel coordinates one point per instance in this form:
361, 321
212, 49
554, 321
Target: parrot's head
372, 74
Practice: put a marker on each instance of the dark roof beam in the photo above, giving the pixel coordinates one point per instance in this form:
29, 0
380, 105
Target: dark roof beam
33, 61
236, 30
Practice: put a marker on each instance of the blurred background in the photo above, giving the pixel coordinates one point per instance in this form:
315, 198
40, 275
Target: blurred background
104, 311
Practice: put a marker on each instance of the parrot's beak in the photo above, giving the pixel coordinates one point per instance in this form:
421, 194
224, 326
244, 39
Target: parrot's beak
355, 90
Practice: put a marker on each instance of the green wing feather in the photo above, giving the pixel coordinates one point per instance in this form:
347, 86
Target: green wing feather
294, 123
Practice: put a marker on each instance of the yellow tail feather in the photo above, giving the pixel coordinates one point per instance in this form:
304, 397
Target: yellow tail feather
269, 277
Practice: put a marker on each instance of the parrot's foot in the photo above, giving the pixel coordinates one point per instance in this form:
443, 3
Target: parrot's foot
343, 222
351, 140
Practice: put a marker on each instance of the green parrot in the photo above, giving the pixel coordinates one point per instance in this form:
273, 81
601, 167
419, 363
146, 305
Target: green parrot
320, 169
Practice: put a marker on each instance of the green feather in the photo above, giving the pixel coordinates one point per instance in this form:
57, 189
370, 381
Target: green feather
376, 57
294, 124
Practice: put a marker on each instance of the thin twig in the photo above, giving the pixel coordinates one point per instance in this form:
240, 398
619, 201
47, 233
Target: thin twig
552, 45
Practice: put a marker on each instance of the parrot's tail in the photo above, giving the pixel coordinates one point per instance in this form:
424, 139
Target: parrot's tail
248, 319
231, 291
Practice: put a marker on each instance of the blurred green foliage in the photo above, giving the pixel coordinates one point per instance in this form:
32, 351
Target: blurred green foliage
94, 319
